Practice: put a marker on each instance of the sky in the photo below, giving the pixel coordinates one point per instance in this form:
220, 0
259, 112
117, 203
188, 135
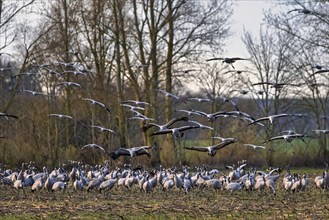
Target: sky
248, 15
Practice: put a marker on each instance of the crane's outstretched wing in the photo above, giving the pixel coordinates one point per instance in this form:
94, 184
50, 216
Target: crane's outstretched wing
142, 151
165, 131
168, 94
274, 138
223, 144
148, 125
119, 152
6, 115
199, 113
254, 146
262, 83
174, 120
237, 58
202, 149
215, 58
93, 146
258, 120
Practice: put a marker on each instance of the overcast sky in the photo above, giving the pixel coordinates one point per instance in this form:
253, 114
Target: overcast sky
248, 15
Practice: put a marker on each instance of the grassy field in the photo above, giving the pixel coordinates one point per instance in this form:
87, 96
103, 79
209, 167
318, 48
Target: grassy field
174, 204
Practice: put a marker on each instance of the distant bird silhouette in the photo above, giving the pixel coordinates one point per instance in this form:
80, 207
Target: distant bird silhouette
94, 102
210, 116
7, 116
31, 92
237, 71
3, 53
52, 72
313, 85
224, 139
167, 94
241, 91
201, 125
228, 60
133, 107
188, 112
320, 71
255, 146
186, 71
25, 74
200, 99
320, 131
94, 146
251, 120
288, 132
75, 72
165, 126
240, 114
212, 150
136, 102
69, 84
317, 66
270, 118
75, 53
138, 114
275, 85
102, 128
298, 115
3, 69
67, 64
61, 116
142, 118
260, 92
176, 132
287, 137
302, 11
140, 66
132, 152
225, 99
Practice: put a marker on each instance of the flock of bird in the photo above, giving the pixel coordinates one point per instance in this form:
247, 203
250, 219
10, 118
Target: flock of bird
78, 177
102, 177
188, 121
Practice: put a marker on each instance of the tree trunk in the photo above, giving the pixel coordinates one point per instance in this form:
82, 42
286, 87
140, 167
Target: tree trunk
121, 119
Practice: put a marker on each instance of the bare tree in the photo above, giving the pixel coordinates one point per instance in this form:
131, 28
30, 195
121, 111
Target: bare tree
162, 34
117, 8
127, 50
9, 11
9, 14
308, 23
271, 57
